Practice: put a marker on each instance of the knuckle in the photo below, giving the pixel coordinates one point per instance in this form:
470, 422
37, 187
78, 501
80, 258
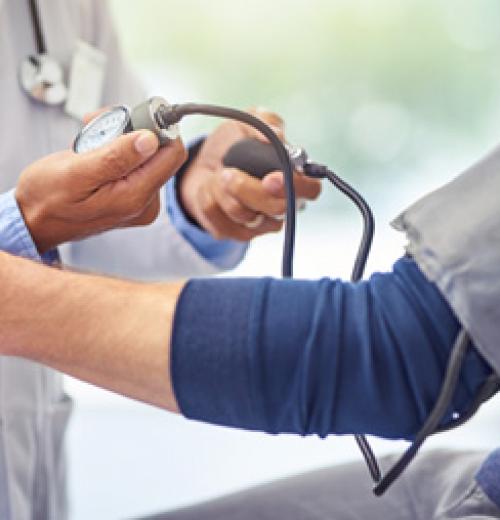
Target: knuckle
236, 184
236, 211
208, 207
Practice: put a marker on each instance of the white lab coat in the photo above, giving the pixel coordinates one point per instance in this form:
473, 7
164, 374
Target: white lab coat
33, 407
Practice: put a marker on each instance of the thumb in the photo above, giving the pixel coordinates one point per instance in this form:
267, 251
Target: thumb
274, 184
120, 157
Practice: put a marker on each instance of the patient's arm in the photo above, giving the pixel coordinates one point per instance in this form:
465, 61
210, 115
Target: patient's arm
318, 357
279, 356
111, 333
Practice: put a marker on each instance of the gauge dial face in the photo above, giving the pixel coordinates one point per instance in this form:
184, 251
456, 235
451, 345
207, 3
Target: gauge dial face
103, 129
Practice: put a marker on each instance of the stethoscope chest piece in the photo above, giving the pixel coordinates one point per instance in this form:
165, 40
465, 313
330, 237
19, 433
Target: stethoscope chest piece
42, 78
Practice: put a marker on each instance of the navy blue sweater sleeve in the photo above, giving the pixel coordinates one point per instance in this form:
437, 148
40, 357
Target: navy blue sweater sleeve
317, 357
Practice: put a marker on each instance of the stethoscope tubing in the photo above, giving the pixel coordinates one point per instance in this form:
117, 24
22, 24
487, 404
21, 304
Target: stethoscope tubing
36, 24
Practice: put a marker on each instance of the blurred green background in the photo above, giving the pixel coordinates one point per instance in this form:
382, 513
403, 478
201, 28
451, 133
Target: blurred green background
372, 87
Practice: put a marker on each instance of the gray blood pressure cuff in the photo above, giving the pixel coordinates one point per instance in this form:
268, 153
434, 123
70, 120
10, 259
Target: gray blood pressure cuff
454, 236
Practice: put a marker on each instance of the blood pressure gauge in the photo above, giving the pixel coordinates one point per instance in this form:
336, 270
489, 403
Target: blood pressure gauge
120, 120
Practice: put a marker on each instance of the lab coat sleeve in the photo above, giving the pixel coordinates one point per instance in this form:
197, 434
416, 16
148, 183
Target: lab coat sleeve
158, 251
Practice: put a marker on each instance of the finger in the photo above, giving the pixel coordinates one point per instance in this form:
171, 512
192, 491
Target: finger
269, 225
251, 193
269, 116
216, 222
130, 195
273, 120
152, 175
118, 158
232, 207
305, 187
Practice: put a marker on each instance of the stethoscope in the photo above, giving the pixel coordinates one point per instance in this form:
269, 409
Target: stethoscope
40, 75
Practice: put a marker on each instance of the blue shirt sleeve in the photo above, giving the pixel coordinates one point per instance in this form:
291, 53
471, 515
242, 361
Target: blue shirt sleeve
15, 237
317, 357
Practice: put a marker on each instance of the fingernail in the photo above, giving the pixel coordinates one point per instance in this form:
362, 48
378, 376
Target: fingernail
146, 143
227, 175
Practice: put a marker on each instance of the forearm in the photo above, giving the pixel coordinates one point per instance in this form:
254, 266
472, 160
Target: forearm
279, 356
111, 333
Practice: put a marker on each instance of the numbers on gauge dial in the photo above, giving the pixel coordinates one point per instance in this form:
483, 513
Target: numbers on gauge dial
103, 129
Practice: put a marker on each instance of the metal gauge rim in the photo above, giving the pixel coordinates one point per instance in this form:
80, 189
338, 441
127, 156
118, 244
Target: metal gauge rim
164, 134
120, 130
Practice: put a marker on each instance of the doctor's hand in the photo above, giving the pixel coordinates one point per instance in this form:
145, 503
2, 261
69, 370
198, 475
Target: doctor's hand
67, 196
229, 203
